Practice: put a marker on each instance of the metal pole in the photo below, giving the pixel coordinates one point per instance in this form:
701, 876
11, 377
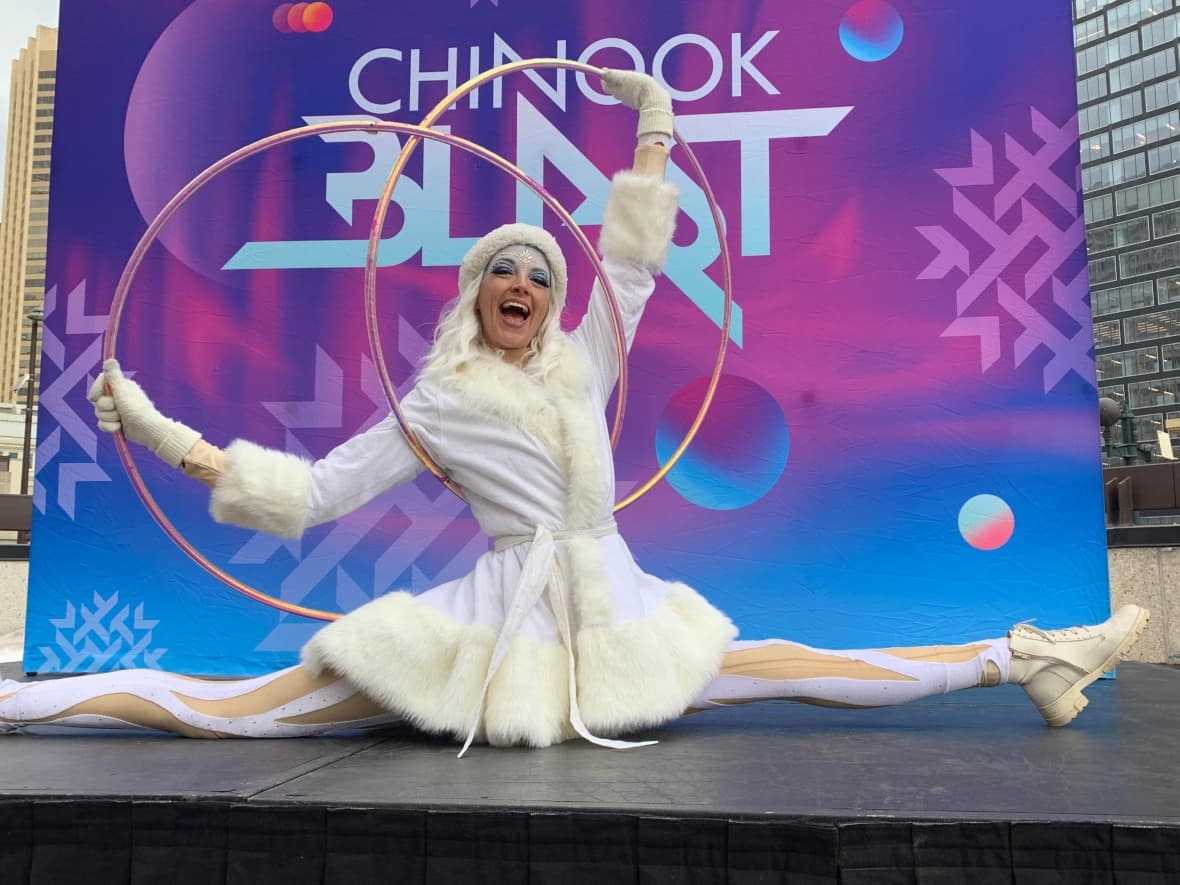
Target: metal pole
35, 317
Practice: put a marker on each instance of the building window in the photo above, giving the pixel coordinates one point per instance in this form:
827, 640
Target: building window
1149, 67
1149, 326
1107, 53
1114, 236
1160, 31
1164, 158
1150, 260
1124, 298
1169, 288
1154, 393
1092, 88
1117, 171
1096, 147
1146, 131
1169, 358
1087, 31
1098, 208
1147, 196
1166, 224
1164, 94
1106, 113
1117, 392
1134, 12
1147, 428
1120, 364
1107, 334
1103, 270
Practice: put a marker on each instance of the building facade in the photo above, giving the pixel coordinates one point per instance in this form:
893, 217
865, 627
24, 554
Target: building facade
1129, 116
24, 220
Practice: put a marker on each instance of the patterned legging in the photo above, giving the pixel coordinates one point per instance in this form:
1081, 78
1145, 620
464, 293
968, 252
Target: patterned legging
294, 703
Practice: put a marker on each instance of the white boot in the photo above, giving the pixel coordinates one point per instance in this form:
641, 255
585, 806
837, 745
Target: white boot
8, 687
1054, 666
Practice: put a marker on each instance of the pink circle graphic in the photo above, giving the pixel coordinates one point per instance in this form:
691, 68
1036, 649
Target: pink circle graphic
986, 522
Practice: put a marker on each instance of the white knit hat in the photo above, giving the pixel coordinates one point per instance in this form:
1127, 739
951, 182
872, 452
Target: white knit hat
475, 262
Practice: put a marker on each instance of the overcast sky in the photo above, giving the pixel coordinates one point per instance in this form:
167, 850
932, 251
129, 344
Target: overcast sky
18, 22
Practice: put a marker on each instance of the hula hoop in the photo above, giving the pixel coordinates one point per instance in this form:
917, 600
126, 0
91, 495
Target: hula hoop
152, 233
621, 397
416, 133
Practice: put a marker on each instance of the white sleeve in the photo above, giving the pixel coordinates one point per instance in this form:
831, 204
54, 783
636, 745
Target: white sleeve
633, 285
637, 227
283, 494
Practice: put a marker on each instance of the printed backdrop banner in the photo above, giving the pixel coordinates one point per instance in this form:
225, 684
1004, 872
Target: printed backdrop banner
904, 445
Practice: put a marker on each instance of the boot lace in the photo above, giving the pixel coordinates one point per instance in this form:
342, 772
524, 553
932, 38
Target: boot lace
1063, 635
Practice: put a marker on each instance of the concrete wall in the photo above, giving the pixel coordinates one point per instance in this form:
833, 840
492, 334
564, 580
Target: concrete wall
14, 577
1147, 575
1150, 576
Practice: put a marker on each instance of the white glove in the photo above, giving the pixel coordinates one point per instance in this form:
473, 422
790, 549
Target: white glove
643, 93
128, 408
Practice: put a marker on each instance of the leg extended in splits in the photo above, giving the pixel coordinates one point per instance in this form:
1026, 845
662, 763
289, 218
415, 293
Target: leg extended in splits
1053, 666
288, 703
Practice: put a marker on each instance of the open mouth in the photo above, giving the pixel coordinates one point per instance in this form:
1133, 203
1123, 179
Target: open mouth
515, 313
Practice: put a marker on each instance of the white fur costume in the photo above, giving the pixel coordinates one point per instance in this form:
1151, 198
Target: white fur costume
534, 461
491, 655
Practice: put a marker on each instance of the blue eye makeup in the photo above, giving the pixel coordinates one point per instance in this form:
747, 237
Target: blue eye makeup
516, 258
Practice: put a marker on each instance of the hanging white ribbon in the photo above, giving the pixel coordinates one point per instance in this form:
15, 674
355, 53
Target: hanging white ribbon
541, 571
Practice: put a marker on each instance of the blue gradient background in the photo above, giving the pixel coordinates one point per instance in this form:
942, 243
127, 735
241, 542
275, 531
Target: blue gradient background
891, 426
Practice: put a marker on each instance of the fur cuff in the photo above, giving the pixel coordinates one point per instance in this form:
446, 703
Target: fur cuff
639, 219
262, 489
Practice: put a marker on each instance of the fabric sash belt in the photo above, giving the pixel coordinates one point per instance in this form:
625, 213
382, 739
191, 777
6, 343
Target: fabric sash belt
542, 572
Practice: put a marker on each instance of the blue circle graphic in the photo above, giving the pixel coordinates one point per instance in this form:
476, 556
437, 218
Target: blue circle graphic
740, 451
871, 30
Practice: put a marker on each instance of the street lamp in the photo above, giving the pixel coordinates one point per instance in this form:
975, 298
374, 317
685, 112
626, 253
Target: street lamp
35, 316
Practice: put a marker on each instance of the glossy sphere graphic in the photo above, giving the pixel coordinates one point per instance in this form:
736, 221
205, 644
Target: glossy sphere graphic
317, 17
295, 18
279, 19
986, 522
871, 30
741, 449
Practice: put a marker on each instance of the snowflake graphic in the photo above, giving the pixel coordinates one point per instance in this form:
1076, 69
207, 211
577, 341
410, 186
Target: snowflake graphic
428, 514
107, 636
990, 247
77, 365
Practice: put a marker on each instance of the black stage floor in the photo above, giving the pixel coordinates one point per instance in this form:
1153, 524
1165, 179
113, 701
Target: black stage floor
971, 787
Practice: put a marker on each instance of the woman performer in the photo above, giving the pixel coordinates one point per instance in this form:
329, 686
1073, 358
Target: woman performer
556, 632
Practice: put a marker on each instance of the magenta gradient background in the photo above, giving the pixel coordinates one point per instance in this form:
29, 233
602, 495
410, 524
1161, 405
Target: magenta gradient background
892, 425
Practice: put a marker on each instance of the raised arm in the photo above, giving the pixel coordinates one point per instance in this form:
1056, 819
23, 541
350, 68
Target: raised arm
637, 224
265, 489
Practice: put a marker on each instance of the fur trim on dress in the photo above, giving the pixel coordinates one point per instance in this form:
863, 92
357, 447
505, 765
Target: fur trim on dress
642, 673
416, 661
639, 219
262, 489
559, 412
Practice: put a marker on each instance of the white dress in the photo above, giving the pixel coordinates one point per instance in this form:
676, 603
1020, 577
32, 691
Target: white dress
490, 656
